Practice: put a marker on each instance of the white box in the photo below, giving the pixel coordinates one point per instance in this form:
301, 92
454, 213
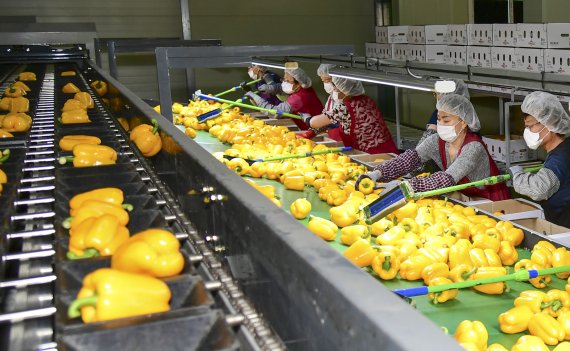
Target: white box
435, 53
504, 34
416, 53
513, 209
381, 35
557, 61
436, 34
558, 35
456, 55
479, 56
400, 52
544, 227
497, 147
398, 34
416, 35
531, 35
457, 34
529, 60
370, 49
384, 51
480, 34
503, 58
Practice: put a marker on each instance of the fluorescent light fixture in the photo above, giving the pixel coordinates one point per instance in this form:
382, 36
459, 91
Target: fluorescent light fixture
376, 78
268, 64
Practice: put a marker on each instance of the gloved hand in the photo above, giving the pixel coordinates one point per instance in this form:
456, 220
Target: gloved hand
306, 118
374, 176
245, 87
515, 170
256, 98
266, 89
307, 134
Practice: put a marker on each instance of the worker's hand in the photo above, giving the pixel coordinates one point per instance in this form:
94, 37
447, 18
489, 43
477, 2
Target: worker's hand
515, 170
266, 89
254, 97
306, 118
245, 87
374, 176
307, 134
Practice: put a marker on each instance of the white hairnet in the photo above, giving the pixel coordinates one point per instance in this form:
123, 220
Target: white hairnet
300, 76
348, 87
460, 88
460, 106
323, 69
548, 111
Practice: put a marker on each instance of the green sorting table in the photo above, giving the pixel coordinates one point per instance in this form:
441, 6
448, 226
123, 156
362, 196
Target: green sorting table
468, 303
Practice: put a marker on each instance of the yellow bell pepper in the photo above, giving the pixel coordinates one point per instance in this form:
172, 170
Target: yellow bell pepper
564, 320
543, 244
459, 253
561, 257
295, 183
412, 268
462, 272
96, 208
386, 264
3, 178
514, 235
361, 253
496, 347
530, 343
555, 302
435, 254
484, 241
147, 139
108, 195
27, 76
391, 237
85, 99
20, 105
425, 217
100, 87
13, 92
22, 85
381, 226
563, 346
343, 216
515, 320
435, 270
547, 328
300, 208
72, 105
443, 296
86, 155
323, 228
409, 210
154, 252
69, 141
75, 116
531, 298
484, 258
6, 103
5, 134
486, 272
70, 88
16, 122
110, 294
366, 186
538, 282
348, 235
541, 256
409, 225
336, 197
191, 132
507, 253
238, 165
458, 230
472, 332
124, 123
96, 236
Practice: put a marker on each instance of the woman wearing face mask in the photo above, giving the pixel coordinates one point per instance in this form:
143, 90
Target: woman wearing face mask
267, 87
361, 122
302, 99
333, 129
456, 149
546, 124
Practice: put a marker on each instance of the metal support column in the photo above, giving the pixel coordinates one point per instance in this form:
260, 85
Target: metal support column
112, 59
397, 99
501, 116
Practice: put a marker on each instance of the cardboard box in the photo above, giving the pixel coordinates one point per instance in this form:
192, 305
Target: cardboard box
416, 35
531, 35
480, 34
558, 35
384, 51
398, 34
503, 58
435, 53
545, 228
456, 55
557, 61
370, 49
400, 52
416, 53
513, 209
504, 34
381, 35
479, 56
436, 34
529, 60
497, 147
372, 160
457, 34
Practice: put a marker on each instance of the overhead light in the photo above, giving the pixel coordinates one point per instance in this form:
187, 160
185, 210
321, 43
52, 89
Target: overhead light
268, 64
376, 78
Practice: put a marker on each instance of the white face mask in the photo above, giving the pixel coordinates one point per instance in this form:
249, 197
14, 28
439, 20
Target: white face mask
447, 133
329, 88
336, 97
287, 87
251, 74
532, 139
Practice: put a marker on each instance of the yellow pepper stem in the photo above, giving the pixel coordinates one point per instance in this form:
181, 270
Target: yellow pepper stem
128, 207
155, 126
67, 223
554, 305
4, 156
64, 159
87, 253
74, 310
